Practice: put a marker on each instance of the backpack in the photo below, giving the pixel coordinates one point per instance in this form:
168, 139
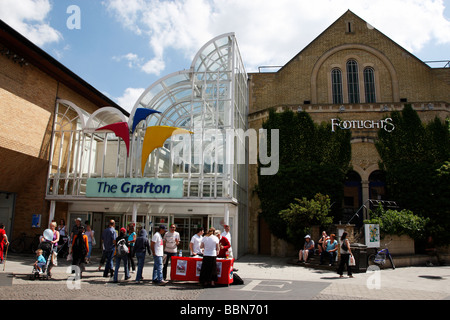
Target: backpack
80, 246
122, 249
237, 279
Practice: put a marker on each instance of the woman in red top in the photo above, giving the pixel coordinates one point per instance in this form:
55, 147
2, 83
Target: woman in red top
224, 245
3, 241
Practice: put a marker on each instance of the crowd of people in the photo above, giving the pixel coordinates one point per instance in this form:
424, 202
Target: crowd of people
162, 246
124, 245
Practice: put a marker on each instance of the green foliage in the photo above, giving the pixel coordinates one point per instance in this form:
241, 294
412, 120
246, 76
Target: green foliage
415, 159
303, 214
395, 222
312, 159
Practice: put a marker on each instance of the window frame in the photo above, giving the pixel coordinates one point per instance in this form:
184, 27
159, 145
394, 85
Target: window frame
369, 85
337, 92
353, 90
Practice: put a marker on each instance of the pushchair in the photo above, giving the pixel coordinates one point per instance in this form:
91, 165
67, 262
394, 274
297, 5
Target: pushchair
47, 252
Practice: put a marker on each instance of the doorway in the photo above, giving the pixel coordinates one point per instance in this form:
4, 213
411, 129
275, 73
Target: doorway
187, 227
7, 211
116, 217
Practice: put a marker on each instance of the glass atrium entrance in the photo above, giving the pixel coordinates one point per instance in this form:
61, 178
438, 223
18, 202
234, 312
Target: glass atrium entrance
109, 163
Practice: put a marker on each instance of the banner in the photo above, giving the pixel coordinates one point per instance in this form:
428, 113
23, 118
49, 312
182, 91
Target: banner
134, 188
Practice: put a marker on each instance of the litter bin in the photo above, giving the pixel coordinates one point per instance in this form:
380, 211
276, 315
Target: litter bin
359, 251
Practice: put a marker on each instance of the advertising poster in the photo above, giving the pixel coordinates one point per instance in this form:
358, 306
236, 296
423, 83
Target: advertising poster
181, 267
198, 268
219, 269
372, 233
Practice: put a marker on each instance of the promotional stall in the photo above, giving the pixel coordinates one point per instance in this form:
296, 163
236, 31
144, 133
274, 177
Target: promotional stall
188, 269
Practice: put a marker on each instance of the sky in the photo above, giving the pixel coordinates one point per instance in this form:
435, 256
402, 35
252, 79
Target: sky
121, 47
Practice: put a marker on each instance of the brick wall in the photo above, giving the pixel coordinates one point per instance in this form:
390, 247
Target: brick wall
27, 103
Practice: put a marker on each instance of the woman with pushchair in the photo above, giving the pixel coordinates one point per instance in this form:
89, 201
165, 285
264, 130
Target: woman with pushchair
48, 244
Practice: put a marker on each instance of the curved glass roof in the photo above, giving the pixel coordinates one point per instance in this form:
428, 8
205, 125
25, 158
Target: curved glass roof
194, 97
101, 117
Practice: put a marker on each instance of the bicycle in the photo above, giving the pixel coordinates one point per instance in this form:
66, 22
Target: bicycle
379, 258
24, 242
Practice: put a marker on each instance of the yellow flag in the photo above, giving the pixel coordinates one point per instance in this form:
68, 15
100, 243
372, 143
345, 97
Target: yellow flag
155, 138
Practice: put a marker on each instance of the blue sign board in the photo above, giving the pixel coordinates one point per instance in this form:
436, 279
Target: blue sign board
134, 188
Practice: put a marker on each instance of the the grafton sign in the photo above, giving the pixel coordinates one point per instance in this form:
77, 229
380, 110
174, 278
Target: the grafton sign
385, 124
134, 188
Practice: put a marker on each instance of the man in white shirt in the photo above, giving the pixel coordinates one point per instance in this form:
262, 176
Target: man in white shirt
157, 247
171, 241
196, 240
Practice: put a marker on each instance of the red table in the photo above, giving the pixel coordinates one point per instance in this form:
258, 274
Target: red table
188, 269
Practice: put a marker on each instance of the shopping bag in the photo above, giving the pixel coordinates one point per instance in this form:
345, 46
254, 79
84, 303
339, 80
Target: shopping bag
352, 261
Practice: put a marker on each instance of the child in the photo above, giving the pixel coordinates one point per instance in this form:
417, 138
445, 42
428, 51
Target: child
40, 262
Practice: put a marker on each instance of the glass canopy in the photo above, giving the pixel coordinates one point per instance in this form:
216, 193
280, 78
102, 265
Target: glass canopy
210, 99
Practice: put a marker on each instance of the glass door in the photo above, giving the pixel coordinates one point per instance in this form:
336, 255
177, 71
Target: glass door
140, 223
157, 221
187, 227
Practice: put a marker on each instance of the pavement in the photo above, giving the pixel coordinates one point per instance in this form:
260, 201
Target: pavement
265, 279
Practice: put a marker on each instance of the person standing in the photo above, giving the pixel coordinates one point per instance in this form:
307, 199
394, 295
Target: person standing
80, 247
196, 240
224, 245
62, 228
90, 235
131, 241
226, 233
121, 239
208, 272
75, 228
171, 242
141, 246
109, 236
3, 241
157, 247
345, 256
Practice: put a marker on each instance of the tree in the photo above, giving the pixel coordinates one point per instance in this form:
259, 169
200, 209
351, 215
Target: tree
312, 159
413, 157
304, 214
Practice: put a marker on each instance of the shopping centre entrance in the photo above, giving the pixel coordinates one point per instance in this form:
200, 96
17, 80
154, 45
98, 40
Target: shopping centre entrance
186, 216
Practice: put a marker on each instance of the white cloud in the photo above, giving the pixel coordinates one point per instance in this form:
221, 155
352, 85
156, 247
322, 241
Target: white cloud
271, 33
28, 17
133, 60
129, 98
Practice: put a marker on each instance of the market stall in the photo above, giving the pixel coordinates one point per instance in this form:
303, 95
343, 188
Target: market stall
188, 269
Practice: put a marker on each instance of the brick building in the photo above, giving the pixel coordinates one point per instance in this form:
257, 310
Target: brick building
31, 82
357, 74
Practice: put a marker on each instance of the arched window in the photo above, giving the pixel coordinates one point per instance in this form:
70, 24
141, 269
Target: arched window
352, 81
369, 85
336, 84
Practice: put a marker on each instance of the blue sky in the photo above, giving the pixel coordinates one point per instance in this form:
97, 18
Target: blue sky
123, 46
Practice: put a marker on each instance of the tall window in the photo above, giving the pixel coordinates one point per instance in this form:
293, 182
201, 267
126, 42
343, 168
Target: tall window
336, 84
369, 85
353, 81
